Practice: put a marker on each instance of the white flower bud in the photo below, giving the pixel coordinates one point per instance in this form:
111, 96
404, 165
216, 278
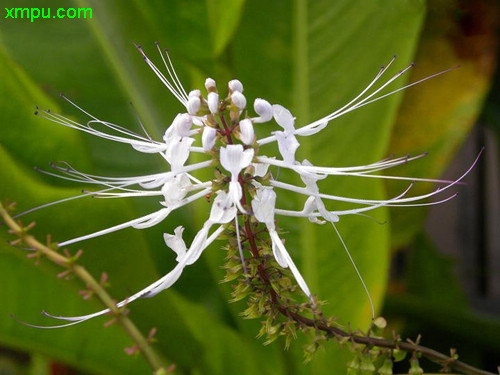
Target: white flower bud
235, 85
193, 105
246, 131
210, 85
264, 109
238, 99
213, 102
194, 94
208, 138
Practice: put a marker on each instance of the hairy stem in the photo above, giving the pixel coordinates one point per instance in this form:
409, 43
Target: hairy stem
129, 327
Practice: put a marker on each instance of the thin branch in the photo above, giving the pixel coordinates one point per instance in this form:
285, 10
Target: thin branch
129, 327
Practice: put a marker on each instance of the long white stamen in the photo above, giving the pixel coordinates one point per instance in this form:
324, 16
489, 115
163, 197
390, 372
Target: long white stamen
356, 269
342, 212
125, 181
175, 80
242, 257
364, 170
322, 120
340, 170
138, 118
139, 142
53, 203
175, 74
165, 81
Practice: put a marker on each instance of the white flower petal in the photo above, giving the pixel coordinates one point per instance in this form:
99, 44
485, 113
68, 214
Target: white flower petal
287, 146
153, 220
176, 243
260, 169
263, 205
223, 209
264, 109
285, 258
178, 151
233, 158
284, 118
278, 256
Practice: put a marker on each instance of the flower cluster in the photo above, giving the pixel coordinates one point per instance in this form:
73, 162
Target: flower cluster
220, 126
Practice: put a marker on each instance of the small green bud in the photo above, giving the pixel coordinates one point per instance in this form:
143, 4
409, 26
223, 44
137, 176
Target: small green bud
415, 368
366, 366
398, 355
354, 365
386, 368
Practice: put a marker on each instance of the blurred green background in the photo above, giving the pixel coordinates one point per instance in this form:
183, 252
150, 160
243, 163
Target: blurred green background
312, 57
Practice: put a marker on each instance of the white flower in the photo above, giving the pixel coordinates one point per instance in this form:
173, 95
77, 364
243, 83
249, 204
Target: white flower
176, 187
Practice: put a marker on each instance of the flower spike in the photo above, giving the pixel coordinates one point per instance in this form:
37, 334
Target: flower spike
220, 128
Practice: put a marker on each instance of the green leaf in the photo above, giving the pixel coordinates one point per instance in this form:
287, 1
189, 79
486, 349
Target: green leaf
224, 17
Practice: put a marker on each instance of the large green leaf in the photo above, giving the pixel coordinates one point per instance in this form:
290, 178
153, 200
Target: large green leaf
309, 56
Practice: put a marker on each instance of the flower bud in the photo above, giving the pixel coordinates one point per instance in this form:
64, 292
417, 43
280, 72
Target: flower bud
210, 85
264, 109
246, 131
213, 102
194, 102
238, 99
194, 94
235, 85
208, 138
